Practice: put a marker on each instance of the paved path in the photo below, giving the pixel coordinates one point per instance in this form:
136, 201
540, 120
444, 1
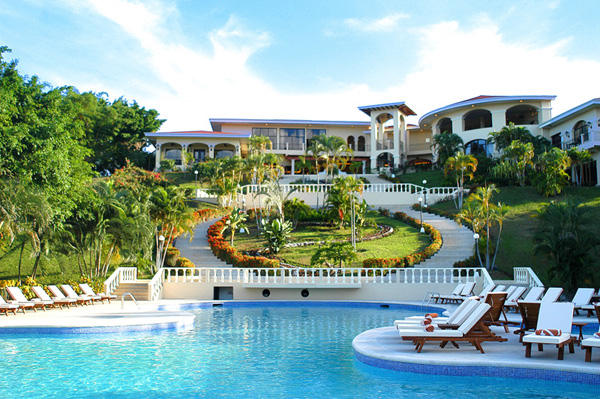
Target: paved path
458, 243
198, 250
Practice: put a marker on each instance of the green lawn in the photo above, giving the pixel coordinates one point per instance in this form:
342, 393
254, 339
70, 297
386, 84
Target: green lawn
516, 243
435, 178
404, 241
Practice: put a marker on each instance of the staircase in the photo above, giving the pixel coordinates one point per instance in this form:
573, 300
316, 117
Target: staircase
138, 289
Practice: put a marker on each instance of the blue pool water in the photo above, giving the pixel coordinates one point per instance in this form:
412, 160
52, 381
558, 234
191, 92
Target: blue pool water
237, 351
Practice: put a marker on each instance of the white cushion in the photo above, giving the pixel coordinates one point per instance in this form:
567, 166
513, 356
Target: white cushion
546, 339
595, 342
435, 334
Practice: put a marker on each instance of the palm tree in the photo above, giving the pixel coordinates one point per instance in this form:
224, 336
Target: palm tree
552, 177
508, 134
517, 158
235, 222
578, 158
276, 197
329, 149
462, 166
303, 164
355, 167
259, 144
445, 145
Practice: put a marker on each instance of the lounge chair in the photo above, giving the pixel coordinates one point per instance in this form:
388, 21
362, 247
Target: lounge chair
582, 299
552, 294
17, 295
439, 318
534, 294
466, 292
496, 315
87, 290
593, 342
70, 293
530, 312
473, 330
457, 290
510, 290
59, 294
60, 302
515, 295
556, 316
486, 289
453, 321
8, 307
499, 288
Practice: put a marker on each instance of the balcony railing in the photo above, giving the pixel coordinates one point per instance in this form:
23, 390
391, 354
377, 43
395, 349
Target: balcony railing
585, 141
419, 147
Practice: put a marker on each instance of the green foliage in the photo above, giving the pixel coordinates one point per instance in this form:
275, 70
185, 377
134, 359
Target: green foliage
296, 210
505, 137
461, 166
569, 239
516, 160
552, 176
578, 158
334, 253
167, 165
330, 150
446, 145
341, 196
277, 233
235, 222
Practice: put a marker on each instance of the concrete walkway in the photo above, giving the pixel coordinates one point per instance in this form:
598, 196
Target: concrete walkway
458, 243
198, 250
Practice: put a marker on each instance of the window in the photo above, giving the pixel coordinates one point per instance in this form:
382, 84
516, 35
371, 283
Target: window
361, 143
477, 119
224, 154
269, 132
522, 115
478, 147
445, 125
175, 154
292, 139
351, 143
312, 133
556, 140
581, 133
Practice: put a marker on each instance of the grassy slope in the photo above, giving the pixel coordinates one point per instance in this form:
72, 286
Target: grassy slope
516, 244
404, 241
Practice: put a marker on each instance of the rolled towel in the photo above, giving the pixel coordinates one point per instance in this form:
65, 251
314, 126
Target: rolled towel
549, 332
434, 315
426, 321
429, 328
596, 335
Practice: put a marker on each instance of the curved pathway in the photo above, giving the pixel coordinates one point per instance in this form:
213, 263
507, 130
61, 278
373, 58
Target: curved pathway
198, 250
457, 241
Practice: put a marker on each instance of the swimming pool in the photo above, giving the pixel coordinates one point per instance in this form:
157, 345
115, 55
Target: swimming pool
277, 350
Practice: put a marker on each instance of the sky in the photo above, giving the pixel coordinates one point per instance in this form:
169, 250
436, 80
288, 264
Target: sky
192, 60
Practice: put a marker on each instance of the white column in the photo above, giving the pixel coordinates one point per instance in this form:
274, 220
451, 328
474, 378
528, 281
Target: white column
293, 166
374, 133
157, 157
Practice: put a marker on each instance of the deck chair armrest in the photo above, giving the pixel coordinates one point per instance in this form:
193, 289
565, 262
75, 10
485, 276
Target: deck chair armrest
447, 326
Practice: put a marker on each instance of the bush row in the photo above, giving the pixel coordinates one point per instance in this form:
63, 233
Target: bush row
414, 258
224, 251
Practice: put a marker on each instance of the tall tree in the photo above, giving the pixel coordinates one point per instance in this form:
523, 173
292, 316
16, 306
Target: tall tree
461, 166
552, 175
446, 144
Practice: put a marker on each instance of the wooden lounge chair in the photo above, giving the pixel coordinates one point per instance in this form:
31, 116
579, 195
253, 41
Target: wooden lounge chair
589, 343
8, 307
486, 289
440, 318
510, 290
23, 302
534, 294
582, 299
499, 288
515, 295
553, 315
466, 292
70, 293
59, 294
552, 294
87, 290
529, 313
496, 316
60, 302
454, 321
17, 295
473, 330
457, 290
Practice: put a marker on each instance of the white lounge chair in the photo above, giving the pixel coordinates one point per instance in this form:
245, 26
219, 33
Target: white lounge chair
582, 299
439, 318
17, 295
41, 293
59, 294
510, 290
457, 290
87, 290
466, 292
8, 307
552, 294
552, 316
19, 299
473, 330
486, 289
499, 288
533, 295
70, 293
456, 319
592, 342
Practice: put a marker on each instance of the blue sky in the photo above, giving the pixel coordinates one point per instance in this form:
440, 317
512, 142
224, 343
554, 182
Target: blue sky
196, 59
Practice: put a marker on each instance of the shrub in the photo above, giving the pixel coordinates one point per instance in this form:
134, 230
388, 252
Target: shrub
167, 165
172, 256
184, 262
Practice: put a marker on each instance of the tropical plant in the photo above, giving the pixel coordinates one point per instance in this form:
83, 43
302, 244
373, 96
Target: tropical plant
342, 195
276, 232
517, 158
329, 149
578, 158
482, 215
334, 254
508, 134
295, 209
303, 164
552, 175
569, 239
275, 197
356, 167
167, 165
235, 222
445, 145
187, 159
461, 166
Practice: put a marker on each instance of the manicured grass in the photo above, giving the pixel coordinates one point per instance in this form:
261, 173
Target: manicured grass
404, 241
516, 243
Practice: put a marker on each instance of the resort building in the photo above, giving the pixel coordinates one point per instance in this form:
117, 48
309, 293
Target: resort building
387, 140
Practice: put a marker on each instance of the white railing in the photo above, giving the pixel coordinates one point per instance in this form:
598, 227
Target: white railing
324, 276
366, 188
525, 275
155, 285
121, 275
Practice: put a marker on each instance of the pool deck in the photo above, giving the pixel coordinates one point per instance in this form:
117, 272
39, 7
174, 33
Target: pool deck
383, 347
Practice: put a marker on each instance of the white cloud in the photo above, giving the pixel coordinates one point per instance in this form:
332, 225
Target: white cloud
384, 24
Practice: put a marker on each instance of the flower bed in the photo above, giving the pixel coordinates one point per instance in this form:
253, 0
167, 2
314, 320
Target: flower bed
412, 259
224, 251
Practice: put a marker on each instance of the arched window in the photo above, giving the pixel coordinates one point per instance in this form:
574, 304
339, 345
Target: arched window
581, 132
351, 143
361, 143
478, 147
522, 115
477, 119
445, 125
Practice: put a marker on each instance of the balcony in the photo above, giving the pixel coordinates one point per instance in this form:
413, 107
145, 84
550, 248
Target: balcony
419, 148
586, 141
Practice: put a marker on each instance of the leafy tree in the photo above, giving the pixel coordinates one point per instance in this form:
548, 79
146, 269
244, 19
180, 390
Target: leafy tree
356, 167
483, 215
235, 222
552, 175
578, 158
277, 232
330, 149
569, 239
461, 166
302, 165
336, 253
341, 196
275, 197
516, 160
446, 144
508, 134
295, 209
